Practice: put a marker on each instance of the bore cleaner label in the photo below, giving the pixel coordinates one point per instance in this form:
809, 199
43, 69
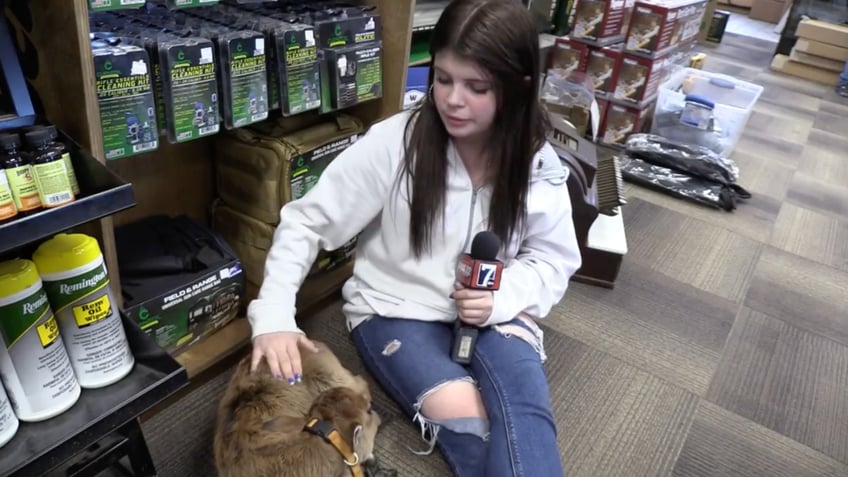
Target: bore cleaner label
91, 328
38, 355
54, 188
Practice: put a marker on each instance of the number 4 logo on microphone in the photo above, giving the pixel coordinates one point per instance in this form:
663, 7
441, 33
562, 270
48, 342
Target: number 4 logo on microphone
486, 277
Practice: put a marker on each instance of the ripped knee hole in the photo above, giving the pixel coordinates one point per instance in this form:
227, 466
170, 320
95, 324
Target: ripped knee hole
452, 400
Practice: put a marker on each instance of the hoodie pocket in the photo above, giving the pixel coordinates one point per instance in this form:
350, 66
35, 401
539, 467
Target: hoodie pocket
383, 304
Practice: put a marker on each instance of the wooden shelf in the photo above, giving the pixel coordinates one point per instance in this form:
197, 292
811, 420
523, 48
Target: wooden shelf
235, 336
176, 179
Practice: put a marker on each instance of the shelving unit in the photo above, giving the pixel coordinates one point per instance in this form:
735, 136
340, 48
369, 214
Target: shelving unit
52, 40
107, 417
103, 194
112, 411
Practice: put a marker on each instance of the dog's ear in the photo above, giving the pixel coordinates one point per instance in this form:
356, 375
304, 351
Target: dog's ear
357, 436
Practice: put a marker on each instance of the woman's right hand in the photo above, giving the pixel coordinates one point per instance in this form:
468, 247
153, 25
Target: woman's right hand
281, 352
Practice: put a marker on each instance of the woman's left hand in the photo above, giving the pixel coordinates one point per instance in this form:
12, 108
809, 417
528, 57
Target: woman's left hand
473, 306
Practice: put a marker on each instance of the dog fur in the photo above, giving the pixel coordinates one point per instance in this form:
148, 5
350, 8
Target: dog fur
259, 430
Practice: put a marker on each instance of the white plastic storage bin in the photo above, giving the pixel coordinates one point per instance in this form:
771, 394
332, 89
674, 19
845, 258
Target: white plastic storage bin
734, 100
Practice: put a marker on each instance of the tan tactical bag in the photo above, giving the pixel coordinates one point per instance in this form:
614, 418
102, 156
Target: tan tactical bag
250, 239
260, 168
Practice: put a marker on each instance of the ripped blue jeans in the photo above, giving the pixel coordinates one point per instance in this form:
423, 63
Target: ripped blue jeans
411, 358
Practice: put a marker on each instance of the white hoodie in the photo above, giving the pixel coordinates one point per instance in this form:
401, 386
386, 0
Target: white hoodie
358, 192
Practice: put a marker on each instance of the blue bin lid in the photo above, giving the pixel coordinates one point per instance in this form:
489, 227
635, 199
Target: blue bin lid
722, 83
698, 99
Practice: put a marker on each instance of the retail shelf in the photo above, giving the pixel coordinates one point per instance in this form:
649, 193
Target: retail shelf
102, 194
39, 447
427, 13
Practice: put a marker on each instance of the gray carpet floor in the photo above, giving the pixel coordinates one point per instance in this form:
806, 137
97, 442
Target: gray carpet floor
723, 349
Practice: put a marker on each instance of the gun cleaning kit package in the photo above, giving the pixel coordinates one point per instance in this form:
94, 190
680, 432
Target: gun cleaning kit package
167, 72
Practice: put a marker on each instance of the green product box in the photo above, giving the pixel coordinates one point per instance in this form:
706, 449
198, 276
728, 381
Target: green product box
350, 54
189, 80
178, 304
244, 77
298, 65
104, 5
179, 318
356, 74
126, 100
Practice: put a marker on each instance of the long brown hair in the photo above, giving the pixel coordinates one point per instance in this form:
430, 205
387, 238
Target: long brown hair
501, 37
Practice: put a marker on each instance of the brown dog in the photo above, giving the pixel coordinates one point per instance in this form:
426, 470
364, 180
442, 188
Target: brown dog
260, 427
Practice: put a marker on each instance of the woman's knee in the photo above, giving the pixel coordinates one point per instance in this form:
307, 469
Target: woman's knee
455, 405
452, 399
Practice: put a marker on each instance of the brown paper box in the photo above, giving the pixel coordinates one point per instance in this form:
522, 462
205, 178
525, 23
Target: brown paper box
783, 64
823, 50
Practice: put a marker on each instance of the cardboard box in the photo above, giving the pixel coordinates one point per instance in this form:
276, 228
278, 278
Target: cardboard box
622, 121
784, 64
657, 27
817, 61
768, 10
823, 50
638, 79
602, 68
717, 26
179, 281
824, 32
629, 5
598, 19
568, 56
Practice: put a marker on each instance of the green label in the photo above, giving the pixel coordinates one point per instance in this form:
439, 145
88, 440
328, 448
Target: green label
125, 96
307, 168
301, 70
72, 176
248, 81
193, 92
369, 74
63, 293
19, 317
23, 186
7, 204
54, 188
357, 75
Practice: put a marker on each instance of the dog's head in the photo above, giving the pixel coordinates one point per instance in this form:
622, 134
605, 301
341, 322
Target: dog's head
350, 412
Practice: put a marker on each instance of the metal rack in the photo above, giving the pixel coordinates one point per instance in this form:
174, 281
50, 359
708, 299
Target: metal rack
102, 426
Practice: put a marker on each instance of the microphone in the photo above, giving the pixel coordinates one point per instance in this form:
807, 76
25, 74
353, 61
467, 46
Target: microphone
479, 270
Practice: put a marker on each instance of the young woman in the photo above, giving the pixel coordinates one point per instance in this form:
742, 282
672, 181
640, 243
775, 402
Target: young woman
417, 188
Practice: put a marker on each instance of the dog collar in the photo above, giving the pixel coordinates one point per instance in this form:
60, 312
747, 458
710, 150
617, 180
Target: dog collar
331, 435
